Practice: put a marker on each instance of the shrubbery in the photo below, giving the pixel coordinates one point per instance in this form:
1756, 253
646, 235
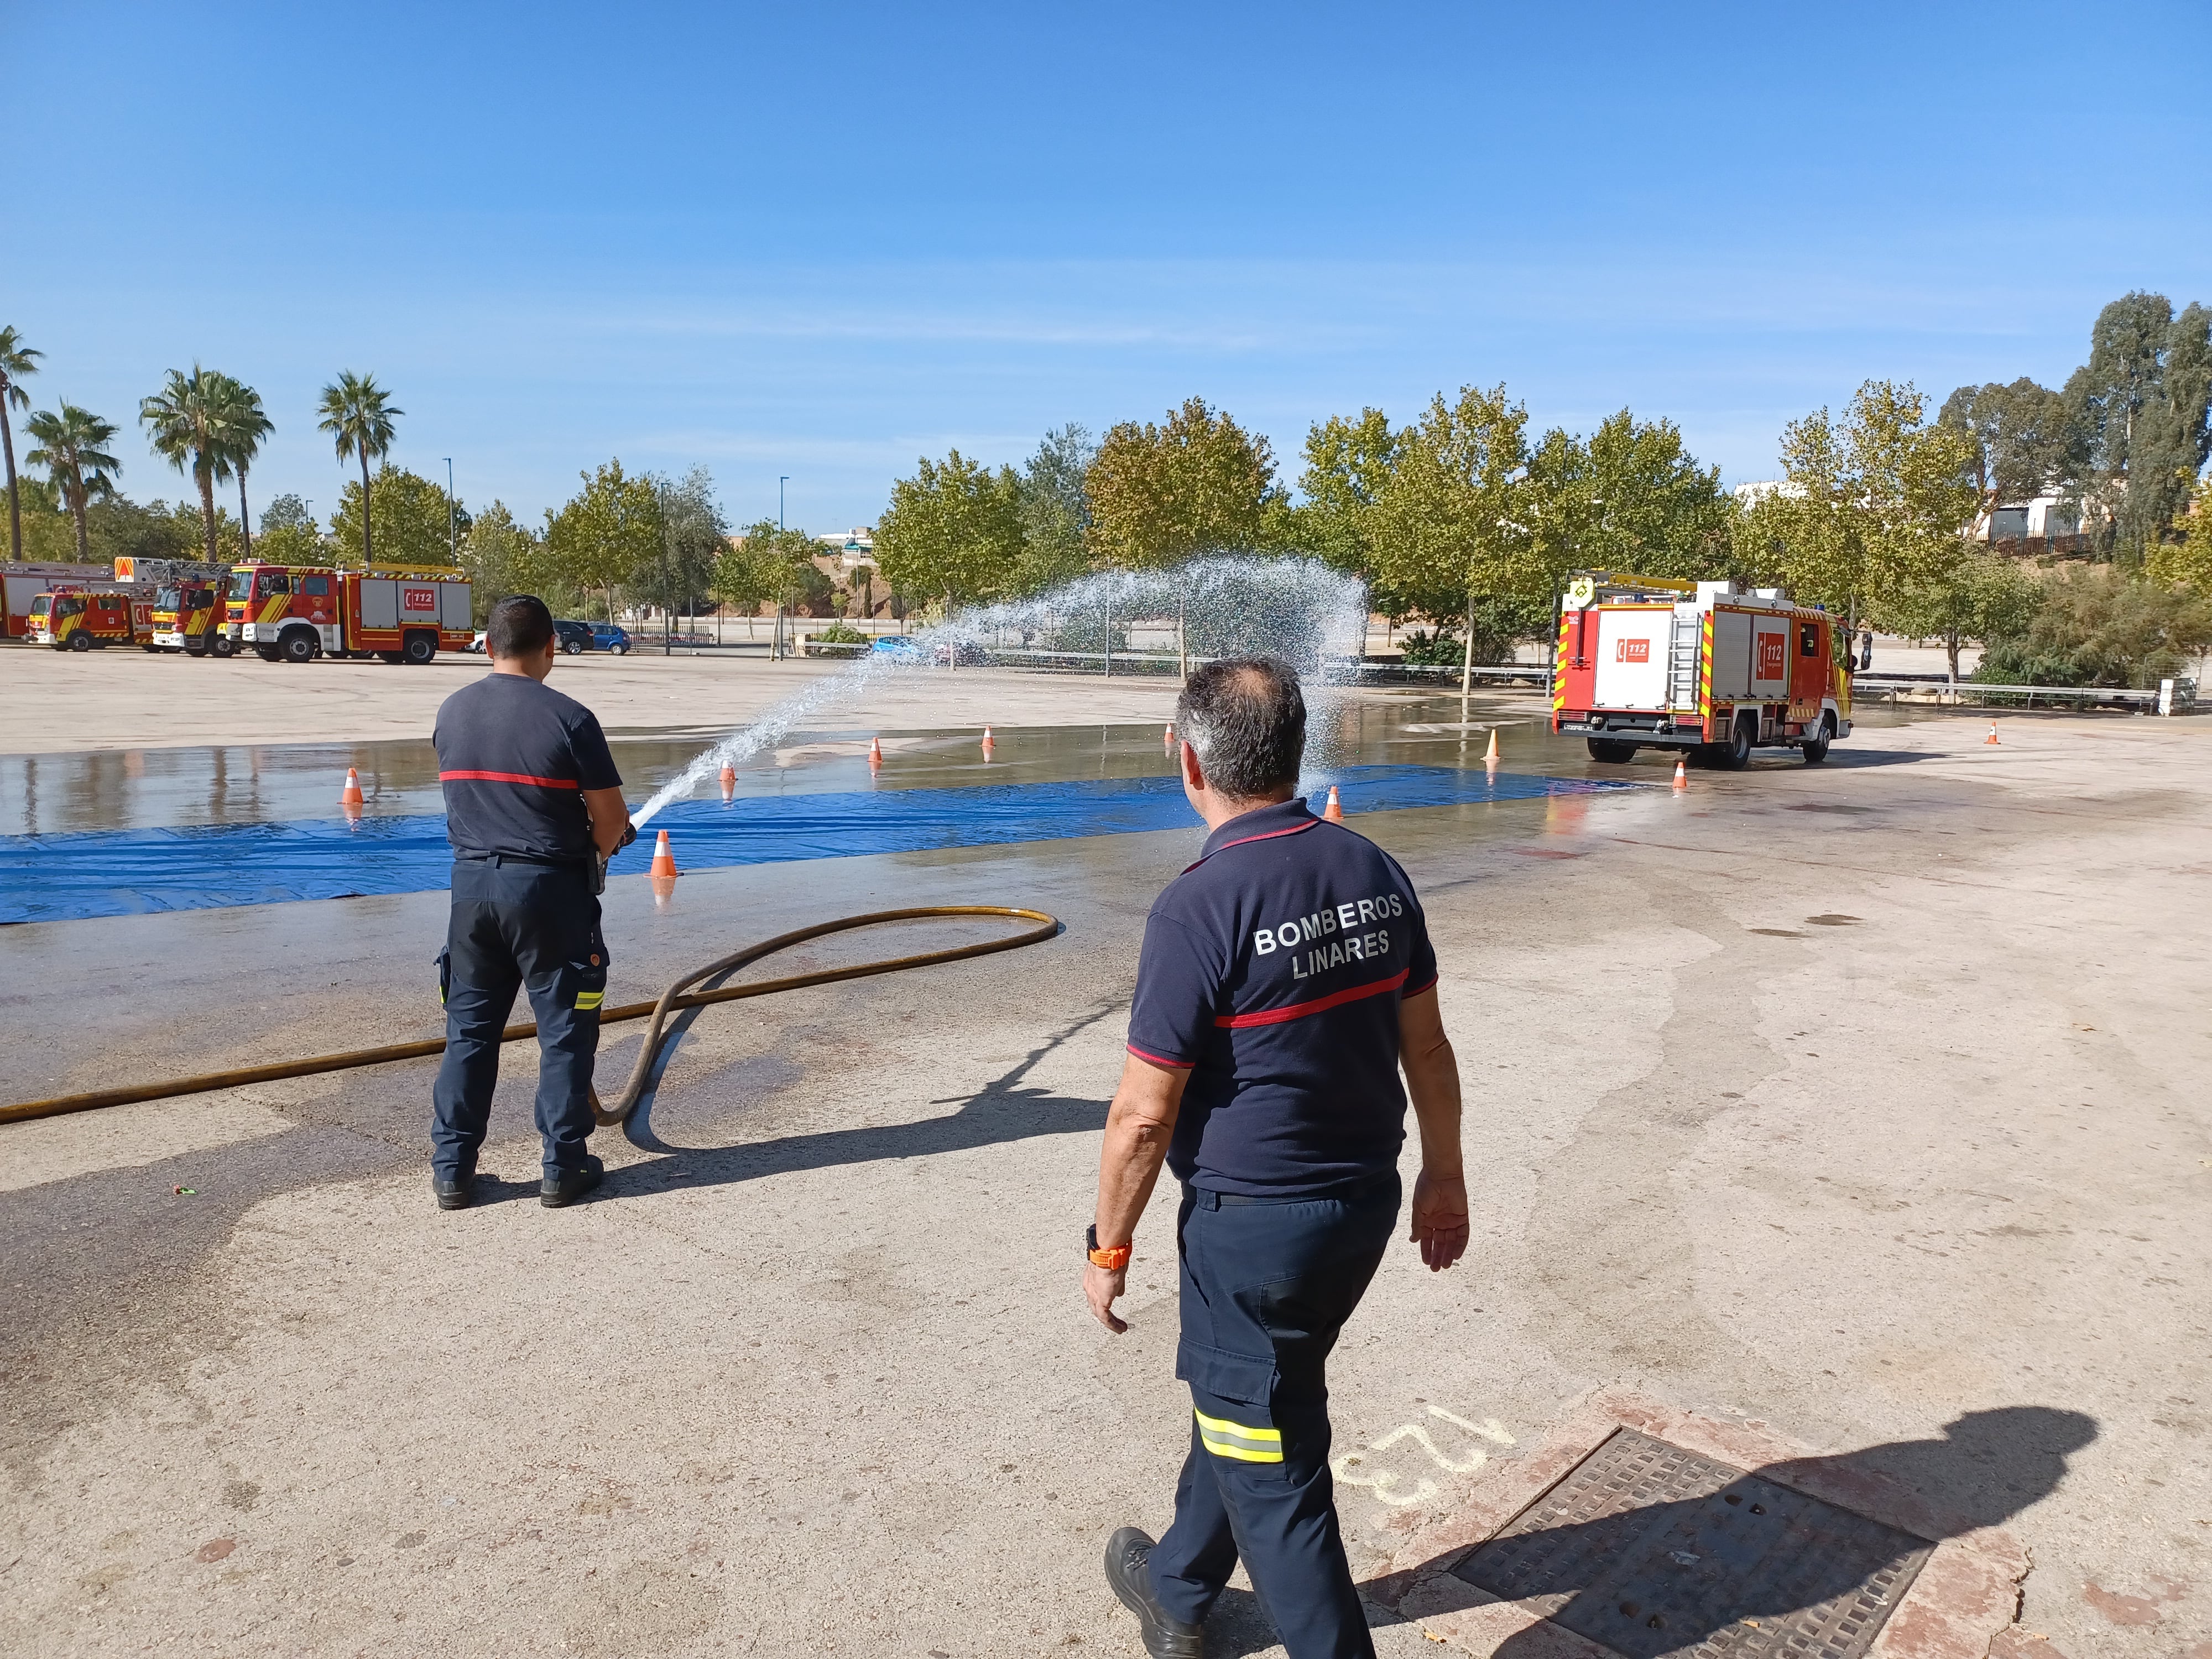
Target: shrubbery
2097, 627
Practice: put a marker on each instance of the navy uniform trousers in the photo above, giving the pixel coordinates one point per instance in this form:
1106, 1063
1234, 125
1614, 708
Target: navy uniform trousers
1267, 1285
518, 925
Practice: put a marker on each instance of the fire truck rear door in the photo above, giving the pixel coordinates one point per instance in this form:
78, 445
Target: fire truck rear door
1631, 656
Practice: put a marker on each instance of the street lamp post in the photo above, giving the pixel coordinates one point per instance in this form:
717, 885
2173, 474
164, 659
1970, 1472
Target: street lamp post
452, 542
779, 484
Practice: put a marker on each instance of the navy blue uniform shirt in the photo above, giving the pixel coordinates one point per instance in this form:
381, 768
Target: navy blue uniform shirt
1272, 969
514, 756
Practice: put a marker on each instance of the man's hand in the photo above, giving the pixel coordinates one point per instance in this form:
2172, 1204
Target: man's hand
1101, 1285
1439, 1219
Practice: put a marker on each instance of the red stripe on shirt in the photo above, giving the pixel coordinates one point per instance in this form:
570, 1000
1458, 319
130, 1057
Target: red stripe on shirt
1319, 1004
509, 777
1159, 1060
1295, 830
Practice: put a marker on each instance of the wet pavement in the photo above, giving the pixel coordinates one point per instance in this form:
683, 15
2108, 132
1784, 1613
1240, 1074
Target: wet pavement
1839, 1101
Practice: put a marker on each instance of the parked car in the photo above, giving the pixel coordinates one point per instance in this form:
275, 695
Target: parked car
577, 637
901, 646
476, 644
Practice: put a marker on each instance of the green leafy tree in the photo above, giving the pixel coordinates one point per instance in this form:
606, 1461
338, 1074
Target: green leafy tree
2025, 442
1450, 526
1348, 462
1978, 595
953, 532
182, 422
744, 575
239, 425
359, 417
17, 361
606, 532
780, 561
1055, 512
1876, 504
502, 557
1200, 483
2143, 403
692, 534
2098, 625
73, 448
1630, 498
2188, 562
409, 521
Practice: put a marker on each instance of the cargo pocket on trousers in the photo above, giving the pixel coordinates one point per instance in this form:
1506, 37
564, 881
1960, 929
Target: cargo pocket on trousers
445, 975
1234, 1417
588, 981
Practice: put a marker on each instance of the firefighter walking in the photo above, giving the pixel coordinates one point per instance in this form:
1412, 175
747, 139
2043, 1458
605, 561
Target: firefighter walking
534, 809
1285, 980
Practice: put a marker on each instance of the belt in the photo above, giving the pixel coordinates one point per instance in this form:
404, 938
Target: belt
1206, 1198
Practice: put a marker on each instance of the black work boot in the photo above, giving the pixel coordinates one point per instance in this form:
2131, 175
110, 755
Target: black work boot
1128, 1556
556, 1191
455, 1192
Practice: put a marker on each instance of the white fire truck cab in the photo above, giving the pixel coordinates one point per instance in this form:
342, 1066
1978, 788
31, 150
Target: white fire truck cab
1647, 663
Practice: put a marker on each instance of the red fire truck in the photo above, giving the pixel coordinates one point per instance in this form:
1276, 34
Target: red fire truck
21, 584
71, 618
1645, 663
188, 601
296, 613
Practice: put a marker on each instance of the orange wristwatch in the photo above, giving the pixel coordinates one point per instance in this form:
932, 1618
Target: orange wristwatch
1113, 1260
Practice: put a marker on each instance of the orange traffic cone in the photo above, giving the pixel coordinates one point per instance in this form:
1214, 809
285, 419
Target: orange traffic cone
1167, 737
875, 753
1681, 772
1333, 813
1992, 736
663, 861
989, 743
729, 783
1490, 755
350, 795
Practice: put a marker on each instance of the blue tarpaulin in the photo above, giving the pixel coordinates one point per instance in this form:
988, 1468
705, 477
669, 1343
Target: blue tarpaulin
130, 871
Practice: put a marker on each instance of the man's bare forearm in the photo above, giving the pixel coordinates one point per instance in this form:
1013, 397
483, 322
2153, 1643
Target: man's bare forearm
1432, 1083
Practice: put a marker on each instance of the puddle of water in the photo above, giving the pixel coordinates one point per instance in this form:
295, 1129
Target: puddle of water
132, 871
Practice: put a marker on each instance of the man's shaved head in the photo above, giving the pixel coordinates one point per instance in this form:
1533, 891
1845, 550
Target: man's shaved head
1246, 717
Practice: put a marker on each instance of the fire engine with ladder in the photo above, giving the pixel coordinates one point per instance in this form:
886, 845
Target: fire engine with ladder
296, 613
70, 616
1647, 663
188, 600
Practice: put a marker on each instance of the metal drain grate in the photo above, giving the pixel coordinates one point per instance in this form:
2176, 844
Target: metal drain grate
1654, 1550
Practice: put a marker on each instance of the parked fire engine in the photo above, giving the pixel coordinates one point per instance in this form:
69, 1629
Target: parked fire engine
80, 618
188, 600
1647, 663
22, 583
299, 612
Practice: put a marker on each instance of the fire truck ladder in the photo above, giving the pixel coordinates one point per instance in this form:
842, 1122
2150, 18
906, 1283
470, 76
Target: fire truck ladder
1682, 660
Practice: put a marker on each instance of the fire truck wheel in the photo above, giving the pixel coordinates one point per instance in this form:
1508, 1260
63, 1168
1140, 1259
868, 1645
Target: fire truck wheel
268, 653
1736, 754
419, 648
222, 645
80, 642
1816, 749
1612, 751
298, 646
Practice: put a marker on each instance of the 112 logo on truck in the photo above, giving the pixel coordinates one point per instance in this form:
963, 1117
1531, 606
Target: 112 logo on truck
423, 599
1773, 649
1631, 651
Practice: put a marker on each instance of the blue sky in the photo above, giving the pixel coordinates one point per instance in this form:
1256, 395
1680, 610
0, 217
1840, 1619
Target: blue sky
822, 240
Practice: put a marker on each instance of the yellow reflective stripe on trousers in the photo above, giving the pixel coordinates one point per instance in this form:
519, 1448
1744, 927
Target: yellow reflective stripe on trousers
590, 999
1237, 1440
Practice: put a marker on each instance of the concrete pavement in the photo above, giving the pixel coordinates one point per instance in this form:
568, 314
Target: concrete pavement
1840, 1102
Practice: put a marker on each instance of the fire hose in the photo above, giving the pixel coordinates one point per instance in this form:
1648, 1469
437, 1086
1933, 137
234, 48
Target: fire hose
677, 996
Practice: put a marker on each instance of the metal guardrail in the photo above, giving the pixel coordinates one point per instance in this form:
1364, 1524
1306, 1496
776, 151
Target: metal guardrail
1979, 694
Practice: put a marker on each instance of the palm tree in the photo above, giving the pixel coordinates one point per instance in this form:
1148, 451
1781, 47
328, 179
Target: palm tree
239, 425
358, 416
180, 423
73, 448
16, 360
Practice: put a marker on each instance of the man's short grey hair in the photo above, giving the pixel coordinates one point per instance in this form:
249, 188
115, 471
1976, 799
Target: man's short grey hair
1246, 717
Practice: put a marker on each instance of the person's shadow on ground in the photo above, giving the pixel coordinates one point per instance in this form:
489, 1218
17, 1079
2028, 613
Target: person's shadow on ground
1693, 1559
